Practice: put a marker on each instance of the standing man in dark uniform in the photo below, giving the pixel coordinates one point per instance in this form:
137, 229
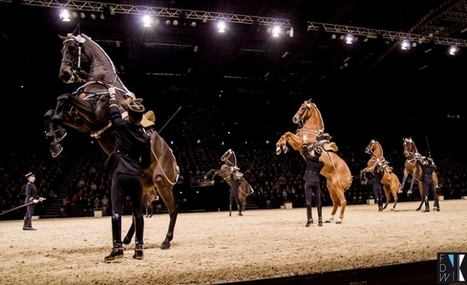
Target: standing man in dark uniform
312, 181
131, 155
31, 200
428, 166
235, 183
378, 173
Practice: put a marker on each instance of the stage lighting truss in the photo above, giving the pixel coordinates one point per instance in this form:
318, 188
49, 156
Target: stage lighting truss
205, 16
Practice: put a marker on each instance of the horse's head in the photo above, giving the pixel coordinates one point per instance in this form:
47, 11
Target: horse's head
307, 111
71, 56
229, 157
370, 148
409, 146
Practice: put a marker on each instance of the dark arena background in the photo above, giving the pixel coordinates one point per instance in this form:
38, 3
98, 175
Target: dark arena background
375, 71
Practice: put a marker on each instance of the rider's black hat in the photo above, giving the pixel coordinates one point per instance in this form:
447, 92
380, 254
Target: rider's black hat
29, 175
136, 109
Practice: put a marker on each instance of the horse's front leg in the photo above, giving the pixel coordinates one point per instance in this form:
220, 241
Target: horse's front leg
288, 138
50, 134
404, 179
213, 173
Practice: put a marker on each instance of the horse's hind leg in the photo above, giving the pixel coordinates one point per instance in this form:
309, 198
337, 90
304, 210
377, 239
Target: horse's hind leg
165, 191
343, 203
335, 205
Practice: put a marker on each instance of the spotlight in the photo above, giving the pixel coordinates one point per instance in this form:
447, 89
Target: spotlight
146, 21
453, 50
221, 27
193, 24
64, 15
275, 31
405, 45
167, 22
349, 39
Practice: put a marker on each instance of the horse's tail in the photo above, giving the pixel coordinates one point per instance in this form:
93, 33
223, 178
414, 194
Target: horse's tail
350, 183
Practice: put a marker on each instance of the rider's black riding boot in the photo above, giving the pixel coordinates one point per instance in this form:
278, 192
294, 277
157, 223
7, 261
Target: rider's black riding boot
139, 228
308, 216
427, 205
320, 216
239, 210
230, 210
116, 254
380, 205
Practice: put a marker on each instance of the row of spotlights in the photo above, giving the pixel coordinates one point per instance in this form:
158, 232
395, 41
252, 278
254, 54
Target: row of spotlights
405, 45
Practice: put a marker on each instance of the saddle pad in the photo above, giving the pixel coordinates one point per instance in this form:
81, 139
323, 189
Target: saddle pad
330, 146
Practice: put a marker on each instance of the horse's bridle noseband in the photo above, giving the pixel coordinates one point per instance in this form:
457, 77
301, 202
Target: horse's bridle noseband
75, 64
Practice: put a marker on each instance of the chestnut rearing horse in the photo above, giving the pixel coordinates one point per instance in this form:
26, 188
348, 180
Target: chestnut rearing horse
390, 181
335, 170
411, 168
87, 110
230, 161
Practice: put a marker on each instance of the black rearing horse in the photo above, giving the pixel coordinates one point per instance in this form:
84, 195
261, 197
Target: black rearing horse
87, 110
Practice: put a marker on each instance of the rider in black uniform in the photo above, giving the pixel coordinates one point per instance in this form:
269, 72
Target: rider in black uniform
131, 155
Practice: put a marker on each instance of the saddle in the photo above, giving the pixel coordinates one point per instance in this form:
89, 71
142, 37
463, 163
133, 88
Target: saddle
324, 140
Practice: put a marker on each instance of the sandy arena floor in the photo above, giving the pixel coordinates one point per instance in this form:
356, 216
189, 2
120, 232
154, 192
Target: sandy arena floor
215, 248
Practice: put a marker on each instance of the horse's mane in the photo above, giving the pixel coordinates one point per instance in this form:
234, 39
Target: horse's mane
102, 57
313, 105
380, 147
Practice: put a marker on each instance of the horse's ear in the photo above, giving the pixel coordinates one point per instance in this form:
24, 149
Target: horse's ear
62, 38
77, 30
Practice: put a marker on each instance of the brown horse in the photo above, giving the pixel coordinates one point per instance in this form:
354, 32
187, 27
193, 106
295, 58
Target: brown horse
390, 181
87, 110
230, 161
411, 168
335, 170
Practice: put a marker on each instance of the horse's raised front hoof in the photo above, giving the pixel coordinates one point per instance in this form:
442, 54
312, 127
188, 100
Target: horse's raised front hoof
59, 134
400, 191
285, 149
165, 245
56, 149
278, 150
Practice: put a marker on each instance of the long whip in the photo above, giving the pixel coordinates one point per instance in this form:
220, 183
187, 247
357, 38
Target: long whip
428, 146
18, 207
170, 119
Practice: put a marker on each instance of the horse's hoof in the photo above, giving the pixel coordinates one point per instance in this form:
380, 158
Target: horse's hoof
418, 209
56, 149
126, 240
400, 192
327, 221
165, 245
59, 135
278, 150
339, 222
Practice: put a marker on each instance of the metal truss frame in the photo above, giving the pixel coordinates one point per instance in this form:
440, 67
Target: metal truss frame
205, 16
390, 35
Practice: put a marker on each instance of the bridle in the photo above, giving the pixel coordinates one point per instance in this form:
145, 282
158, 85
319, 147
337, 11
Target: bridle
409, 154
306, 106
225, 158
369, 148
75, 63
